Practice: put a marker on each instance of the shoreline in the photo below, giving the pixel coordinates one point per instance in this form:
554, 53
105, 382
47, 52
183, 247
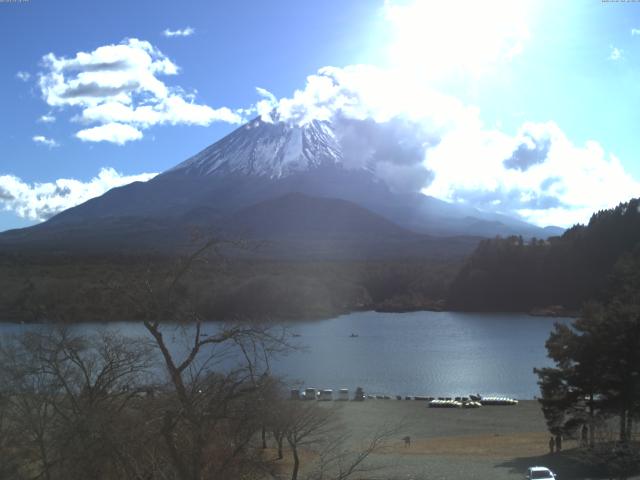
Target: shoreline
395, 354
311, 318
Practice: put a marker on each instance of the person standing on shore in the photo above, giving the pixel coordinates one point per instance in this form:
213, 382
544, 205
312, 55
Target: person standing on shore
584, 433
551, 445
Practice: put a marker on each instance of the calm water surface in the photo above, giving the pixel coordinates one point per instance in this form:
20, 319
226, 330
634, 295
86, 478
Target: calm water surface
417, 353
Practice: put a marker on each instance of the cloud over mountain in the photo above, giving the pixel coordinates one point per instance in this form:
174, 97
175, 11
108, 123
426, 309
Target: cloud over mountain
531, 151
393, 119
546, 179
393, 150
40, 201
418, 138
119, 93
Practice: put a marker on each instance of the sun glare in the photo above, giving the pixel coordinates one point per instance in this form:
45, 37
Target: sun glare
436, 40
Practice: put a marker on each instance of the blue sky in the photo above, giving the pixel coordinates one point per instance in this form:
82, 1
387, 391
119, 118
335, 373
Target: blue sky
558, 78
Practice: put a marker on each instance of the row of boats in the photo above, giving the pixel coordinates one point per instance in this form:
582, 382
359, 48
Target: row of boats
454, 404
472, 401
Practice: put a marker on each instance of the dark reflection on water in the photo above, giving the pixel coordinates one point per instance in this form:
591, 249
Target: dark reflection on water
417, 353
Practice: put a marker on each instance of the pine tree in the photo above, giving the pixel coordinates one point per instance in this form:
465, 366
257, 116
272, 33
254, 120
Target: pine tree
597, 371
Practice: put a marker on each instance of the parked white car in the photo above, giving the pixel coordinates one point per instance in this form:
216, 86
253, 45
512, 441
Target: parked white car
540, 473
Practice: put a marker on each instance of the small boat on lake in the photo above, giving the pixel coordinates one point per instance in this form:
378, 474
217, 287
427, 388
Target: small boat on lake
353, 335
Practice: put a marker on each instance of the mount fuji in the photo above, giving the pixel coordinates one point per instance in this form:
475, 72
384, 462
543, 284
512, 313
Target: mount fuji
270, 180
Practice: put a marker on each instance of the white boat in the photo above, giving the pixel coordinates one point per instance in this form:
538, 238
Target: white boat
498, 401
445, 404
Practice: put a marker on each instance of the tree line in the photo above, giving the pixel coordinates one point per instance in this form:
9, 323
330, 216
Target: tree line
513, 274
80, 289
593, 391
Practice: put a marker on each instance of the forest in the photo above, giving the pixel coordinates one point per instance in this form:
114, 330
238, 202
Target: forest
552, 276
561, 273
87, 288
592, 392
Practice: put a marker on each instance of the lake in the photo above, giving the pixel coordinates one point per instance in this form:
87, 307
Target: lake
416, 353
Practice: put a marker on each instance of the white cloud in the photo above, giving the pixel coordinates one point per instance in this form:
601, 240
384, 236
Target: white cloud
117, 86
185, 32
408, 132
110, 132
537, 174
368, 92
39, 201
49, 142
173, 110
267, 103
23, 76
615, 54
48, 118
635, 31
564, 186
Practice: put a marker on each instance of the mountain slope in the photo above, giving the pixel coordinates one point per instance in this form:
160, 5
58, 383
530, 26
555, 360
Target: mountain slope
293, 226
297, 225
258, 162
299, 215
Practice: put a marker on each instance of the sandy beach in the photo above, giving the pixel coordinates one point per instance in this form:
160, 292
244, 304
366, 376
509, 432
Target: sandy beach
480, 443
491, 442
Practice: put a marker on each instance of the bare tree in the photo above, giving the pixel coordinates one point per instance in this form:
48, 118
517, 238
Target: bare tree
339, 462
276, 421
80, 407
67, 401
217, 383
307, 426
316, 429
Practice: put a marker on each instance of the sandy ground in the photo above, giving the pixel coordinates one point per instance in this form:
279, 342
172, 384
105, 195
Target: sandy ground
497, 442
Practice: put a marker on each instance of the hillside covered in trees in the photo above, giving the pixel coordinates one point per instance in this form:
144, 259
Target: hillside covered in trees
76, 289
511, 274
503, 274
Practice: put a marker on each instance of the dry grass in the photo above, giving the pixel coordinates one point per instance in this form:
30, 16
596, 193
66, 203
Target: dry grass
495, 445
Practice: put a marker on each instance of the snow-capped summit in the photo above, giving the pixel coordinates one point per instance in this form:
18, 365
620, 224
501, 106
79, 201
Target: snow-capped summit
263, 175
271, 150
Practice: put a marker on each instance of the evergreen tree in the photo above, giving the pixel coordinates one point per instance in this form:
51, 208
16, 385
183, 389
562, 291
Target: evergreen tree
597, 372
509, 274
